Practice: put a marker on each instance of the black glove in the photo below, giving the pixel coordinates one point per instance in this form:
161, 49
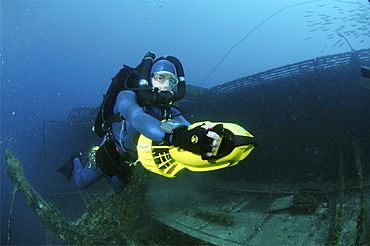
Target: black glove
194, 140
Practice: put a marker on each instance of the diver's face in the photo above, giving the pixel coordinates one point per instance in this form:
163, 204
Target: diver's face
164, 80
164, 86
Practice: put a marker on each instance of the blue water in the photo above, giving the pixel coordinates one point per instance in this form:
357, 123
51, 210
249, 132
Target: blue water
56, 55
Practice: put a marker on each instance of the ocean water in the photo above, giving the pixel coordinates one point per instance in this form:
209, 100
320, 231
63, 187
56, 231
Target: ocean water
56, 55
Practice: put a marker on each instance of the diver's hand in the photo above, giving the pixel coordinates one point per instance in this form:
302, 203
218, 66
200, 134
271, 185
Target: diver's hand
199, 140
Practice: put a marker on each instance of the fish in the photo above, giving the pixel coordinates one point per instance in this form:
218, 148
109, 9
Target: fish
336, 43
353, 21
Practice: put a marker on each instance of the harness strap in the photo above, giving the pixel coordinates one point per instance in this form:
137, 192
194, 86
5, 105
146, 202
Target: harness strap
107, 125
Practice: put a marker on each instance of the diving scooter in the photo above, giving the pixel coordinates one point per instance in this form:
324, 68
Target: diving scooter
235, 144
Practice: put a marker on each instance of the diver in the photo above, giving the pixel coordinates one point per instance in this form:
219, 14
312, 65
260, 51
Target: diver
144, 99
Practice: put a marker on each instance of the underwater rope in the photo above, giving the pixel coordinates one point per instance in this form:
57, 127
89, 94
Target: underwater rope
360, 219
249, 33
10, 213
259, 25
344, 37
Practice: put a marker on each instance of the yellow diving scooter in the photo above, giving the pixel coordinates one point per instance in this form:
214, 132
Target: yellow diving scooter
235, 144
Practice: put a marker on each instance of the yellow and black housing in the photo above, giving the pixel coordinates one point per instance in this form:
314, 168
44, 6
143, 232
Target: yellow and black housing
235, 145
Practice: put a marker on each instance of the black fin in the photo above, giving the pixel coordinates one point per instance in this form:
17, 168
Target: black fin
67, 169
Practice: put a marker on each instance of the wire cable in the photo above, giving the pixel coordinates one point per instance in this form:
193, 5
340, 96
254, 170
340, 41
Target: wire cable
249, 33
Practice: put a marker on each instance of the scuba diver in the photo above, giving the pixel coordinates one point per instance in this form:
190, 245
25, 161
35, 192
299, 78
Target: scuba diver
136, 102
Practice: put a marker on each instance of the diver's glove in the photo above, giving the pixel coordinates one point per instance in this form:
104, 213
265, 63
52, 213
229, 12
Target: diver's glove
198, 140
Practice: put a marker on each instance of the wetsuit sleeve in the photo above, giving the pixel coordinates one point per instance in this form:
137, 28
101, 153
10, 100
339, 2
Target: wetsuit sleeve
127, 105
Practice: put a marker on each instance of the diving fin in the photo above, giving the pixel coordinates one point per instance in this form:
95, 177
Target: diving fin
67, 168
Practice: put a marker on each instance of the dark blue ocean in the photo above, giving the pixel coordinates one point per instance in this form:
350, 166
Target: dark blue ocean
56, 55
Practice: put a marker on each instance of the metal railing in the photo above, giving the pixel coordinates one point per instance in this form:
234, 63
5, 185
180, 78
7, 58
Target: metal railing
311, 66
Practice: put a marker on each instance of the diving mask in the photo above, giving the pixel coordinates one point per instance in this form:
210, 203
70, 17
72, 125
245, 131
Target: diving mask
164, 80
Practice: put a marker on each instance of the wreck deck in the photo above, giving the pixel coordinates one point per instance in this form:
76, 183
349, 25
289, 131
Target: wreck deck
257, 213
